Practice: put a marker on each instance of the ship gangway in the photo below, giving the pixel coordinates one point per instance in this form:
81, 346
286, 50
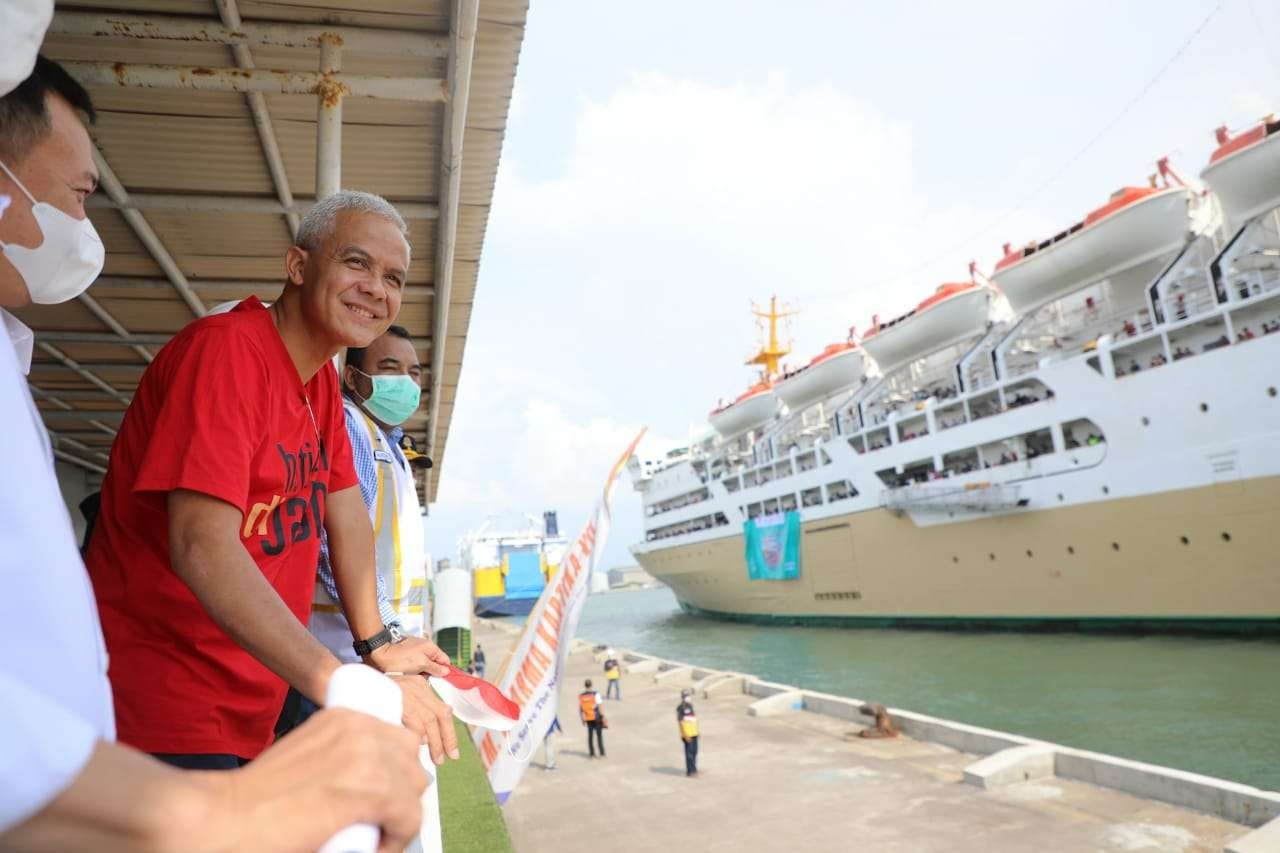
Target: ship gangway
977, 497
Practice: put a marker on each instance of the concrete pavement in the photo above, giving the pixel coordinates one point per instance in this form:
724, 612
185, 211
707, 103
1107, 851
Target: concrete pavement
799, 781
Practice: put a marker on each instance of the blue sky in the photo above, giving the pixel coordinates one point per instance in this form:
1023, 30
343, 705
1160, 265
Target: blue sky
668, 162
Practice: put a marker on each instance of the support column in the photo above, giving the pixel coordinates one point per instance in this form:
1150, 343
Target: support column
329, 120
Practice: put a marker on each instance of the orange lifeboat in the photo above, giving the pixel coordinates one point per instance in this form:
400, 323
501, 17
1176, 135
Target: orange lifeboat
1244, 170
755, 406
953, 313
1136, 225
838, 366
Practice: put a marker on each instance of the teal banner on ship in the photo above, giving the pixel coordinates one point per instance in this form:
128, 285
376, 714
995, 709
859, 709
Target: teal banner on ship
773, 546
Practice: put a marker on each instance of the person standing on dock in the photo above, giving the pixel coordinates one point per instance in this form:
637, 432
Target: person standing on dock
549, 746
478, 657
612, 675
591, 712
687, 719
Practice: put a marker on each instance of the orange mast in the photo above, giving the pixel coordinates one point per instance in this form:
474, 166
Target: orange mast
772, 351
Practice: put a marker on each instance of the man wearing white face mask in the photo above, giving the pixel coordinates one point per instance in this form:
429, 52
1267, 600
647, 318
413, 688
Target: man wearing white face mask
65, 784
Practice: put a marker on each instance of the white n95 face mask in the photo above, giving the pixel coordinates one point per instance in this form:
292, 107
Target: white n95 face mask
67, 260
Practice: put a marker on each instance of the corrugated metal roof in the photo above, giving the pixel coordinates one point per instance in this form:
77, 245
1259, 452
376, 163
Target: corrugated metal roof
167, 145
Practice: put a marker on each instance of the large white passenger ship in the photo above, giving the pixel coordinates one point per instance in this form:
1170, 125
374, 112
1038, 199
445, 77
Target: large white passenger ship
1088, 439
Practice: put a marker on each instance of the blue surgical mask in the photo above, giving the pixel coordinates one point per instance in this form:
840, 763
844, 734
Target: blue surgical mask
394, 398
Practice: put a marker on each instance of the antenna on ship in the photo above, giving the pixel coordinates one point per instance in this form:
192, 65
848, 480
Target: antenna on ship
771, 351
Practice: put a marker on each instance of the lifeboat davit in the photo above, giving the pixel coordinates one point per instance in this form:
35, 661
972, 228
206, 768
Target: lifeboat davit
838, 366
756, 406
953, 313
1137, 225
1244, 170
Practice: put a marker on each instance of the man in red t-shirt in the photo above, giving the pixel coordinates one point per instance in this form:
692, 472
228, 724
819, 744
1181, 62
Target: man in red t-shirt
230, 461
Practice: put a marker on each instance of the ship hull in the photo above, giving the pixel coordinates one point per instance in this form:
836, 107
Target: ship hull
1117, 564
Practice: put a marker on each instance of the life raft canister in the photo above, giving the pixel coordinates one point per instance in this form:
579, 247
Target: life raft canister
587, 702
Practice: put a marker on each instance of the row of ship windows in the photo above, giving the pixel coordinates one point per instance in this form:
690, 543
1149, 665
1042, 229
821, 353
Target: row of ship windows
975, 408
806, 461
1004, 451
692, 525
837, 491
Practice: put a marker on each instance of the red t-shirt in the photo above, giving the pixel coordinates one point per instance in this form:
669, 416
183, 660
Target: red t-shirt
221, 411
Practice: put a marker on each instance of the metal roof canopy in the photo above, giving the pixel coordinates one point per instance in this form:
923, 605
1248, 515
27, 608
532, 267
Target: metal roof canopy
219, 123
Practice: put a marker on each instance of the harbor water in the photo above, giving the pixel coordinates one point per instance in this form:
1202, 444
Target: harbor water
1210, 706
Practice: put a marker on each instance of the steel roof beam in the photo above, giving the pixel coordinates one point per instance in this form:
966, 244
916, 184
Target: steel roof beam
222, 286
462, 40
61, 395
102, 338
111, 184
150, 76
112, 323
174, 28
229, 12
86, 374
77, 415
76, 460
203, 203
57, 400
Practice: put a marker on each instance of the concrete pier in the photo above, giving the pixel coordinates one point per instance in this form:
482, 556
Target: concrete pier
798, 778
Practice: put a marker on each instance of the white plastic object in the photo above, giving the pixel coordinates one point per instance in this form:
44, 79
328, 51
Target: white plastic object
362, 688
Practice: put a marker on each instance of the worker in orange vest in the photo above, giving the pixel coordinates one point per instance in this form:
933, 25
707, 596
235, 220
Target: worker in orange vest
591, 712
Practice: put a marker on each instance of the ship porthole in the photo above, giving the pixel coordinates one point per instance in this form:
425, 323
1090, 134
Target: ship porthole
1071, 549
1146, 421
1185, 541
1271, 391
1115, 546
1204, 407
993, 556
955, 559
1106, 490
1226, 537
1060, 497
1029, 554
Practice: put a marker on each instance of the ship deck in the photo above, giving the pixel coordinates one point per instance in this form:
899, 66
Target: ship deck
802, 781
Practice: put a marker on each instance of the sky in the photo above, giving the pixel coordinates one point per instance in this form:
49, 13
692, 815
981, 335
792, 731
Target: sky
667, 163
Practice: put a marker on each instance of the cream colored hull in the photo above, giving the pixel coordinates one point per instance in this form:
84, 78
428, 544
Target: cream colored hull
1121, 559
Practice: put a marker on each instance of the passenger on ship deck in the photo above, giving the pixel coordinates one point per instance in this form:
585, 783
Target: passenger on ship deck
231, 460
1245, 335
65, 784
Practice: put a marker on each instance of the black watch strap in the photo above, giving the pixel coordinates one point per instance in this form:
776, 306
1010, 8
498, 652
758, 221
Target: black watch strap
365, 647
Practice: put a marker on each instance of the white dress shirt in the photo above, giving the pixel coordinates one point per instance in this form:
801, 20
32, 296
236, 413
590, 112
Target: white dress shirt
53, 663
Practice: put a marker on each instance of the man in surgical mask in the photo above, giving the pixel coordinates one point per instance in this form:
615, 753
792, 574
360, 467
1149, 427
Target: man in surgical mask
381, 388
65, 783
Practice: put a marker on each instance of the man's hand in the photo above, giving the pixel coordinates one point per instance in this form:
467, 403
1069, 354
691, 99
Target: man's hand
340, 767
427, 715
411, 655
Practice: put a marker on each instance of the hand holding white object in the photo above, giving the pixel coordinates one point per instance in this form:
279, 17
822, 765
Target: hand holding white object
364, 689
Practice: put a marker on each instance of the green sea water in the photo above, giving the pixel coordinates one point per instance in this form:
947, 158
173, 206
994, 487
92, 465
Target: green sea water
1207, 705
